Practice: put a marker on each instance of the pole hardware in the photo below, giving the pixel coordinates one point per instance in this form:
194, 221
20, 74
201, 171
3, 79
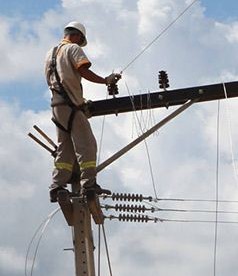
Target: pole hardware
163, 80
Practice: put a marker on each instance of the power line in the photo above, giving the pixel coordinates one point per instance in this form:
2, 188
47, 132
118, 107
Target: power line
217, 187
108, 258
41, 227
230, 134
145, 142
198, 221
195, 200
159, 35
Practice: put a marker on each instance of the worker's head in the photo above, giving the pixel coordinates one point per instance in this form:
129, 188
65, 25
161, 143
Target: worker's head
76, 32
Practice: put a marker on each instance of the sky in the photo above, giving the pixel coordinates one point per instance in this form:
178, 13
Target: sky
201, 48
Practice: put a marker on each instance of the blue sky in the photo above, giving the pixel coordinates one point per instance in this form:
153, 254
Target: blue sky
31, 10
29, 94
222, 10
201, 48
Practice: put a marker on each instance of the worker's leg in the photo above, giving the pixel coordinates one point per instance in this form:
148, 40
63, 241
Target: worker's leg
85, 148
65, 158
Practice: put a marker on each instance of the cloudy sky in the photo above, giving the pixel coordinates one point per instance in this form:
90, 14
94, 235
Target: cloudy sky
201, 48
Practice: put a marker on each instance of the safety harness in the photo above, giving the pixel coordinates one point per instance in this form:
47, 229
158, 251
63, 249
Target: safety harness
61, 91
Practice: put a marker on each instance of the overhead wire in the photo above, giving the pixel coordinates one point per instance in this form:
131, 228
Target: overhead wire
197, 221
155, 208
99, 227
230, 134
146, 145
217, 188
99, 250
101, 137
107, 251
196, 200
41, 227
158, 36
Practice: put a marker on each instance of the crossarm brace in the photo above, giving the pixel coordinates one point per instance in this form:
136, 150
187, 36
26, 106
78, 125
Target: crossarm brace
145, 135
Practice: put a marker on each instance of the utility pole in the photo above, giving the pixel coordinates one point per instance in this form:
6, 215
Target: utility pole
78, 209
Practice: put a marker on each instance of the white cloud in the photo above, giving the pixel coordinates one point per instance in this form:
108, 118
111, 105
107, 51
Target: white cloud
231, 31
11, 261
195, 50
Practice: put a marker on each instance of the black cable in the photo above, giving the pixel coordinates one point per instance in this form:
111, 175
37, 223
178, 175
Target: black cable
108, 258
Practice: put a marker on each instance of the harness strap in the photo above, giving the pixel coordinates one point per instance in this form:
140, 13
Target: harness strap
53, 70
62, 92
70, 121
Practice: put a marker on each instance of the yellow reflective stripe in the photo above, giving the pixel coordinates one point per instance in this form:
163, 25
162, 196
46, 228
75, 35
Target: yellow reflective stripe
87, 165
64, 166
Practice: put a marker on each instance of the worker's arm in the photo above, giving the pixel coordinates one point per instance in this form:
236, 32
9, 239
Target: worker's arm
89, 75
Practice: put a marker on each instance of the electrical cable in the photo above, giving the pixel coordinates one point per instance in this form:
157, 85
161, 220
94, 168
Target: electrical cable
101, 137
99, 249
159, 35
156, 200
31, 242
217, 188
108, 258
42, 226
157, 209
195, 200
197, 221
146, 145
230, 134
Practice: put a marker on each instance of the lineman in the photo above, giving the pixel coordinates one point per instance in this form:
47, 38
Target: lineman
65, 65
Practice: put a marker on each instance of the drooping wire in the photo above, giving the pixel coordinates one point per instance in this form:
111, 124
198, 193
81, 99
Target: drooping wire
159, 35
217, 188
197, 221
101, 137
41, 227
230, 134
99, 249
145, 142
106, 246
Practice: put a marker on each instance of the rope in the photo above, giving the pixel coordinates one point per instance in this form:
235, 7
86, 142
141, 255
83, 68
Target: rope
159, 35
108, 259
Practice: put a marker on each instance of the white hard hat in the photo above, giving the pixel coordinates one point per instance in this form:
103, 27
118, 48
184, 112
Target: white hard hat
80, 27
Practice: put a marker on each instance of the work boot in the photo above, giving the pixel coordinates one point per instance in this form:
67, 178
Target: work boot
95, 188
54, 193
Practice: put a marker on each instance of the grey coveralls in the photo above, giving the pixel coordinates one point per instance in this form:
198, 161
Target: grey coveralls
79, 144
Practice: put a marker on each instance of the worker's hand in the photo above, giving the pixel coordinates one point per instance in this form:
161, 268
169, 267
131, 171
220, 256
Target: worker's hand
112, 79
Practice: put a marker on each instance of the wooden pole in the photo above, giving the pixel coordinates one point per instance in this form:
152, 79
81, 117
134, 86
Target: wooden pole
82, 236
